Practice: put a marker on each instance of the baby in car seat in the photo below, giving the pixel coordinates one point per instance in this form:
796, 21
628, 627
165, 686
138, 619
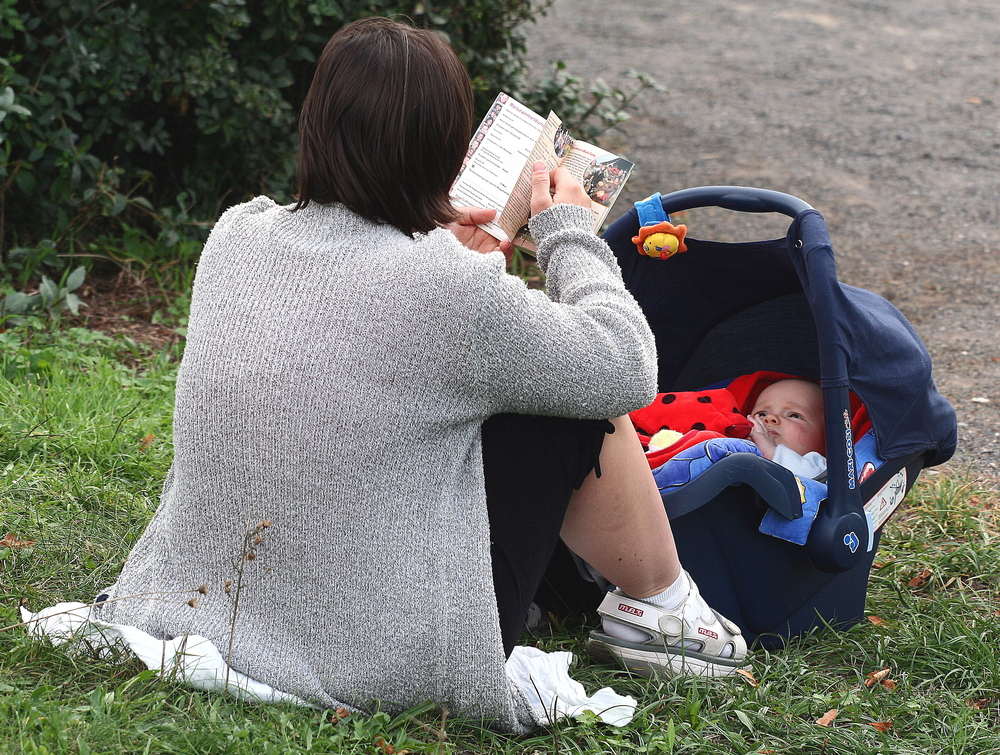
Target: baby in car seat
788, 426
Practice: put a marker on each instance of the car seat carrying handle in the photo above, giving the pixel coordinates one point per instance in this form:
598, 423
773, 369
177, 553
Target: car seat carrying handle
738, 198
839, 537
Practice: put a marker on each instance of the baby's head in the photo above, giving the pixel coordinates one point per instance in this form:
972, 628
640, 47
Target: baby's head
792, 413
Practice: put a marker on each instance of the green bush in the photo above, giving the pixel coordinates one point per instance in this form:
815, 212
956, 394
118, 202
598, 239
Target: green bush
150, 117
52, 298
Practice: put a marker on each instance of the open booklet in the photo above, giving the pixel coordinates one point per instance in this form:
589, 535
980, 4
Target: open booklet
496, 173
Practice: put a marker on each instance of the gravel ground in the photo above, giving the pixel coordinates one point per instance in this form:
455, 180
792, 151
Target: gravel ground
884, 115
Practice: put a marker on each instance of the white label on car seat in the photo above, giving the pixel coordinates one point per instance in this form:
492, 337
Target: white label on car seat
886, 500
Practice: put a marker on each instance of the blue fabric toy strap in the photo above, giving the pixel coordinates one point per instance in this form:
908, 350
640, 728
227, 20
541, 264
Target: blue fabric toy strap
650, 210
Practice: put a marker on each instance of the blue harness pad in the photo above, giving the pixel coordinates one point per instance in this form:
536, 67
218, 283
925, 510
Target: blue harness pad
688, 464
692, 462
796, 530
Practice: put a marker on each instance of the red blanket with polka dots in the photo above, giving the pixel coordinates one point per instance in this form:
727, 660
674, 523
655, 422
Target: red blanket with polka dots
713, 413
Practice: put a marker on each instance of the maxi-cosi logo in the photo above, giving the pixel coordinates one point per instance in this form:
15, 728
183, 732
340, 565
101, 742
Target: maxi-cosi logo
624, 607
851, 541
849, 441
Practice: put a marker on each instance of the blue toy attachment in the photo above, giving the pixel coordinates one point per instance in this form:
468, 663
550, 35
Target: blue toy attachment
658, 237
650, 210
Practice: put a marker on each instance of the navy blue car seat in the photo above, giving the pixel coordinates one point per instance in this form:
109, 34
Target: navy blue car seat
722, 310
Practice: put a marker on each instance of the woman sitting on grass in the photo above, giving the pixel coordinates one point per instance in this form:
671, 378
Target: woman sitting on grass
415, 428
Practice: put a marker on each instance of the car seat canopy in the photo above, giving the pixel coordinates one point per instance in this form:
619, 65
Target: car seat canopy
886, 362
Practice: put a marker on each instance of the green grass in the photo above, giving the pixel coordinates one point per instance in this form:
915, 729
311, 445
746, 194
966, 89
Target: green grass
77, 477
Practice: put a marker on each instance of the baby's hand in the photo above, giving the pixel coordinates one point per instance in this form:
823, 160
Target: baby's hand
760, 437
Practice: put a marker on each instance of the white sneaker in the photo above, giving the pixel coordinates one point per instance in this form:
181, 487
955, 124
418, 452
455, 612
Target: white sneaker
689, 639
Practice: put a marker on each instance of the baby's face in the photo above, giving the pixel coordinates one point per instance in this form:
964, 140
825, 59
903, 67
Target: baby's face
792, 413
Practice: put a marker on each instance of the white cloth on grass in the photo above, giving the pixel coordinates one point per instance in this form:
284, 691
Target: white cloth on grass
542, 678
192, 659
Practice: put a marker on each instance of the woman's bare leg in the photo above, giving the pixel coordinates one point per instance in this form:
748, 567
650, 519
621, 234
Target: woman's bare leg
617, 523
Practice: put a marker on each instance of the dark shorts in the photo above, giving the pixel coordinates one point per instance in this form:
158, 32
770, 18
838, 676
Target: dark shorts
532, 466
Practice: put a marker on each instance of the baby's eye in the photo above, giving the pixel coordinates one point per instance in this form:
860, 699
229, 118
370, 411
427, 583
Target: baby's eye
795, 415
760, 413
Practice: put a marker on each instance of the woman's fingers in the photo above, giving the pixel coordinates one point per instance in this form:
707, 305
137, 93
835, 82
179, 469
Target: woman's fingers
568, 190
474, 215
541, 199
557, 187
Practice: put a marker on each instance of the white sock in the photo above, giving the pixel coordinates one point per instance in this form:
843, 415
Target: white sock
672, 597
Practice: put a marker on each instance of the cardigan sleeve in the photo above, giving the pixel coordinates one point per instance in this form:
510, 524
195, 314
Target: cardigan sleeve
582, 348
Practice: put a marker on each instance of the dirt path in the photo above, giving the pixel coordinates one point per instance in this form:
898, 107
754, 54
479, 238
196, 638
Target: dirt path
882, 114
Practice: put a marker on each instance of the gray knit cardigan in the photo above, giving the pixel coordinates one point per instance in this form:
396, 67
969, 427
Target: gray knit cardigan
334, 381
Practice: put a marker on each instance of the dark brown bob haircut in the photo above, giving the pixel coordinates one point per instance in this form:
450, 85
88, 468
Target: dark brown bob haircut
385, 125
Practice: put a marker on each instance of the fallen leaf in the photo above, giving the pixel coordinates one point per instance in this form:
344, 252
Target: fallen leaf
920, 579
978, 703
877, 620
748, 676
880, 564
339, 714
147, 441
384, 746
875, 677
975, 100
889, 684
882, 726
827, 718
10, 541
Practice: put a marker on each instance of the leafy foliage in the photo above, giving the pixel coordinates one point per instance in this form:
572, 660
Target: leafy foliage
155, 115
587, 109
52, 298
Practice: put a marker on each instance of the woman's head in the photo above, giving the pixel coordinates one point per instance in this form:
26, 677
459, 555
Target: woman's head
385, 125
